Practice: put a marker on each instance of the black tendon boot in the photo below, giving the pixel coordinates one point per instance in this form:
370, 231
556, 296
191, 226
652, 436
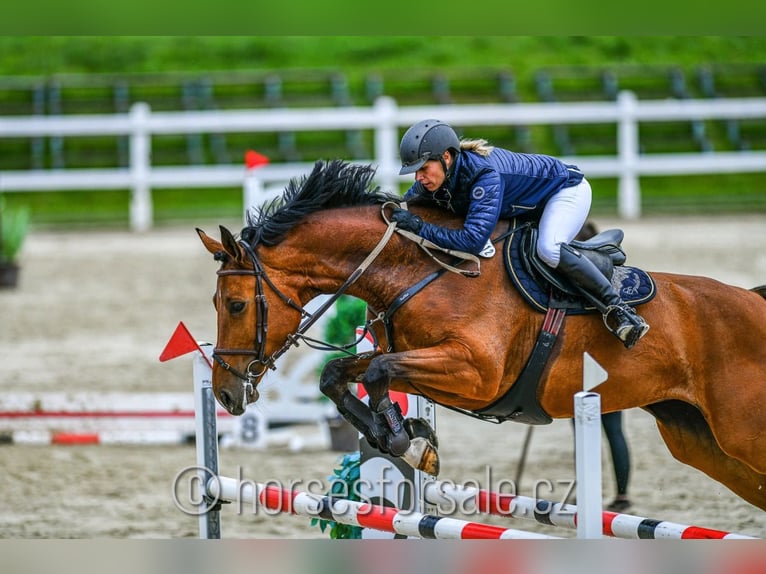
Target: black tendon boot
619, 318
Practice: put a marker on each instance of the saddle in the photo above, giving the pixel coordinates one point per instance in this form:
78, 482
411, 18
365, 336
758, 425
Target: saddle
543, 287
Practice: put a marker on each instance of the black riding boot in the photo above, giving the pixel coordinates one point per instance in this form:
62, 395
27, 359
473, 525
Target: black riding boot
619, 318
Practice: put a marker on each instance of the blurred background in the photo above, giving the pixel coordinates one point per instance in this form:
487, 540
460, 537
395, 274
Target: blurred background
70, 76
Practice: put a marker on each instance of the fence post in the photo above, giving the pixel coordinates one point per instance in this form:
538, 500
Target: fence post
587, 411
629, 191
207, 442
140, 166
386, 142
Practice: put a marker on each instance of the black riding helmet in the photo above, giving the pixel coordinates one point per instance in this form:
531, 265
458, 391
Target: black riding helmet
427, 139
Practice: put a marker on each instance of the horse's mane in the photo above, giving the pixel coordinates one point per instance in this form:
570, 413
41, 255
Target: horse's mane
330, 185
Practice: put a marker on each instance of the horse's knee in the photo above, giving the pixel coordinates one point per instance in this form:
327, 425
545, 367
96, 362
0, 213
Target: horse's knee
331, 383
376, 371
376, 380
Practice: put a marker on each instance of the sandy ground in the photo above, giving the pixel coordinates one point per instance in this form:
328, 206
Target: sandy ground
95, 309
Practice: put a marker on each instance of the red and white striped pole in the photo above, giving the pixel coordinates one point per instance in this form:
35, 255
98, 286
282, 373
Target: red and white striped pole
472, 500
266, 498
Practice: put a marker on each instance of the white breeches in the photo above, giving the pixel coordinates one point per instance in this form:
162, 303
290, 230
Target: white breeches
562, 219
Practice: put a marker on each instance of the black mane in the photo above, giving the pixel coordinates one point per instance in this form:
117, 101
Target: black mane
330, 184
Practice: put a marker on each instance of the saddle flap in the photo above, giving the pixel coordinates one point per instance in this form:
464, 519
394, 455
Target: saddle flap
533, 262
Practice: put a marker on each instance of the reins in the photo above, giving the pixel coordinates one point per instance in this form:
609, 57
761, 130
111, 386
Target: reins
428, 247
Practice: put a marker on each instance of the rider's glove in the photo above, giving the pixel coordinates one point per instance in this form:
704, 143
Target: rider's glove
406, 220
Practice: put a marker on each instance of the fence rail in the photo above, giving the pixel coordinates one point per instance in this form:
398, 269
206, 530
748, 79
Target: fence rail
385, 118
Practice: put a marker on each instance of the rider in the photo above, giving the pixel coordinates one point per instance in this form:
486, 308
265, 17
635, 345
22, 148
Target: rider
485, 183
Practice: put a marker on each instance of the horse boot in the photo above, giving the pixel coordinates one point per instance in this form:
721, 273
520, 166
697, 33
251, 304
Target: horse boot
619, 318
389, 417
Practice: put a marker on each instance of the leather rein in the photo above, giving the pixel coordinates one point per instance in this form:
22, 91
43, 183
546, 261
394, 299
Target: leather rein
260, 362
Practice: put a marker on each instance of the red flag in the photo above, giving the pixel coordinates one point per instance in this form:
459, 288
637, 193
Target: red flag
255, 159
180, 343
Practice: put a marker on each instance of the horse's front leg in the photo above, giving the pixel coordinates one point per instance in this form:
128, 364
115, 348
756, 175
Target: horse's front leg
412, 439
381, 423
387, 415
334, 383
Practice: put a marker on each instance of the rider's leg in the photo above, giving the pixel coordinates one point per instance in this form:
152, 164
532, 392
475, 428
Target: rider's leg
621, 319
561, 220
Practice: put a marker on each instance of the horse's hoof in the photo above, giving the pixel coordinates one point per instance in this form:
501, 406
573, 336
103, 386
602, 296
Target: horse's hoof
423, 456
421, 428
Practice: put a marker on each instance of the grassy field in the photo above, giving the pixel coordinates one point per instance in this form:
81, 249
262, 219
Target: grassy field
357, 57
358, 54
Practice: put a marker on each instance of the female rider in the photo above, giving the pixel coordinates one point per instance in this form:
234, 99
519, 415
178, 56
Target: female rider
484, 183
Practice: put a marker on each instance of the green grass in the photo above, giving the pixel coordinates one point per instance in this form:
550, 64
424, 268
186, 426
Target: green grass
358, 55
403, 62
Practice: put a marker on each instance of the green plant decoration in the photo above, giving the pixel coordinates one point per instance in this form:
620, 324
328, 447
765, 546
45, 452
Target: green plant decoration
13, 229
344, 482
340, 330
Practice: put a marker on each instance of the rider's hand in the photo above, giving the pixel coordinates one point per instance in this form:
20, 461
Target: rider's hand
406, 220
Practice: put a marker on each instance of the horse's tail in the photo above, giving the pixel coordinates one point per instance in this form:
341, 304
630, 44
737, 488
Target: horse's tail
761, 290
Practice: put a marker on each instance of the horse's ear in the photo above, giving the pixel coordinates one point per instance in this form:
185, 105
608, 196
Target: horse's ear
210, 244
230, 245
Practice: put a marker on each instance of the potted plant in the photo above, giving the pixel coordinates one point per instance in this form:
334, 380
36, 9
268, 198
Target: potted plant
13, 229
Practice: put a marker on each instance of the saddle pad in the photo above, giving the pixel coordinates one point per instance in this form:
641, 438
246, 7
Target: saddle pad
634, 285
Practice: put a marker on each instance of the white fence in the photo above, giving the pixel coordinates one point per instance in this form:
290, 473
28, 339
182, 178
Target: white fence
385, 118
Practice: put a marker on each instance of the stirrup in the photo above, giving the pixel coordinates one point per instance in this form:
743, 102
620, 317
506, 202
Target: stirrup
628, 326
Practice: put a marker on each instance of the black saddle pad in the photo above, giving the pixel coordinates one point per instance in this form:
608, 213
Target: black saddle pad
634, 285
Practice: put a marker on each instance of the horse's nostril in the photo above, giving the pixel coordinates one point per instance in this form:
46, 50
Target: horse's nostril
226, 399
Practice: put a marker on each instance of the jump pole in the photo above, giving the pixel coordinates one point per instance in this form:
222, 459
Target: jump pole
206, 443
626, 526
363, 514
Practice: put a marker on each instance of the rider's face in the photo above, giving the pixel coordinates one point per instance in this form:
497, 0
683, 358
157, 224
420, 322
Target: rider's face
431, 176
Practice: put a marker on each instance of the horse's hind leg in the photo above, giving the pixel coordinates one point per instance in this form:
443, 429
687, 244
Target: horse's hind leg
690, 440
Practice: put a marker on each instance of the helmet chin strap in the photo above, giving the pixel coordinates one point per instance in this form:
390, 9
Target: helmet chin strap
448, 170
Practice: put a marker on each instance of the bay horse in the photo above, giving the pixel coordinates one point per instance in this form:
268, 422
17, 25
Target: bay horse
463, 338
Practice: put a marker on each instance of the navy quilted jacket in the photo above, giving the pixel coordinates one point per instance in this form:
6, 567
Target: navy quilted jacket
484, 189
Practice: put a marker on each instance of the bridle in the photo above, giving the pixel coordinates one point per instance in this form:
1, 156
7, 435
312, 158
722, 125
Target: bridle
260, 362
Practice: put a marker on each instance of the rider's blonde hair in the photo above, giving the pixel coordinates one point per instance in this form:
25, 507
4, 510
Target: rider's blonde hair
479, 146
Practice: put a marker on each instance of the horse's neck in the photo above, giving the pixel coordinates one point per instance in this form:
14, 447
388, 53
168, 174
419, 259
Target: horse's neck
320, 256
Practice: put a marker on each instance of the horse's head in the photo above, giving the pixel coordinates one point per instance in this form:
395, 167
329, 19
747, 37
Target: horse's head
245, 300
264, 276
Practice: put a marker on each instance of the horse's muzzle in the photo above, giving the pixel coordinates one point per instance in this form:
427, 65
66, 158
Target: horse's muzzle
235, 400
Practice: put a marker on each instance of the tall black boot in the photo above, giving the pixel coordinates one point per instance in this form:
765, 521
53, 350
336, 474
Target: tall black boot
619, 318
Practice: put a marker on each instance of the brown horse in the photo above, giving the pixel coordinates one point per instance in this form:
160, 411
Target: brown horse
463, 340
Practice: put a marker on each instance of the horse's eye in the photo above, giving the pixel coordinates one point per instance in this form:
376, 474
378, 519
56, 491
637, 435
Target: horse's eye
236, 307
